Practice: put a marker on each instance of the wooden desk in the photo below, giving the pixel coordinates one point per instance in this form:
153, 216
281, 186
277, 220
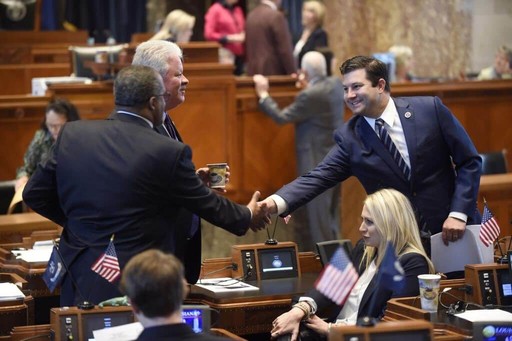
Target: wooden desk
497, 190
14, 227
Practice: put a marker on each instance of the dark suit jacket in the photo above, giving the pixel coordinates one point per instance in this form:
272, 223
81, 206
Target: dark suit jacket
120, 177
268, 43
317, 39
175, 332
434, 138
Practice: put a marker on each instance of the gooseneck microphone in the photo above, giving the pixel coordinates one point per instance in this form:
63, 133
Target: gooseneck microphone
83, 304
271, 240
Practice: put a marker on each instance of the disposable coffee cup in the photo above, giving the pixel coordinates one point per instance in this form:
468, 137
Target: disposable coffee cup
217, 174
429, 291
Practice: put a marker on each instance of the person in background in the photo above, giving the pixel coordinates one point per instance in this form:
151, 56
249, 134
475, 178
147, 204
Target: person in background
412, 144
313, 35
387, 215
121, 178
317, 111
268, 41
177, 27
57, 113
225, 23
403, 63
502, 68
156, 288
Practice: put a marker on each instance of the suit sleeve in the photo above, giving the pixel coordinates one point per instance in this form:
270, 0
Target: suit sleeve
184, 188
295, 112
468, 164
40, 193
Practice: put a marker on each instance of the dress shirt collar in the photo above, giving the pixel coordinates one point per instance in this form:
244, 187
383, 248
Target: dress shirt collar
389, 115
270, 4
135, 115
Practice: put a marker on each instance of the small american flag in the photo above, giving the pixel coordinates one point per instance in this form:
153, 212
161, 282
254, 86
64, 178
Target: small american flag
489, 231
107, 265
338, 277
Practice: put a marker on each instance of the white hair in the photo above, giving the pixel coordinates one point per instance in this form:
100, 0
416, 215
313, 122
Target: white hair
155, 54
314, 64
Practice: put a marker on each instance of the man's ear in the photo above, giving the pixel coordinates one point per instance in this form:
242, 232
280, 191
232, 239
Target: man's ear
381, 84
153, 103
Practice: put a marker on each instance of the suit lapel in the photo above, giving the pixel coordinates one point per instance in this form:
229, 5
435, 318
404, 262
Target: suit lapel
372, 142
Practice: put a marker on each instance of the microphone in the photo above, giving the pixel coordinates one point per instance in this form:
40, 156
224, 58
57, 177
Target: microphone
83, 304
271, 240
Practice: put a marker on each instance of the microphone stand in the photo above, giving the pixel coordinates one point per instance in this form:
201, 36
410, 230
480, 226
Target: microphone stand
271, 240
84, 305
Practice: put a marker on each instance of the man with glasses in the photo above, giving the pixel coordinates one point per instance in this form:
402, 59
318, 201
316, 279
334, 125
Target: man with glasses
121, 179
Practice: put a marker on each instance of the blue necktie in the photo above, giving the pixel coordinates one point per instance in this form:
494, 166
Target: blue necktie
386, 139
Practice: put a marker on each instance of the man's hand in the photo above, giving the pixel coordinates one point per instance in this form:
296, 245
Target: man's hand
318, 325
260, 85
204, 174
260, 215
453, 230
271, 205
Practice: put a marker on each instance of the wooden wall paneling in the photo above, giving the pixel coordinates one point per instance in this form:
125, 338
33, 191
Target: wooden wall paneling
20, 76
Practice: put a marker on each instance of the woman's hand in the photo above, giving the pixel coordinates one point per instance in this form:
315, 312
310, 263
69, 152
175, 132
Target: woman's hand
318, 325
287, 323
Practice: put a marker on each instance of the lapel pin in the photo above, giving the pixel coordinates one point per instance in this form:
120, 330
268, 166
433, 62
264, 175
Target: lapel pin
408, 114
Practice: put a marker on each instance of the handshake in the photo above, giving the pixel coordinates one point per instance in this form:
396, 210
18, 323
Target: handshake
261, 211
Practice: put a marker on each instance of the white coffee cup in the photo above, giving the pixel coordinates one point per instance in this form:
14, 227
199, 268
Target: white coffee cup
217, 174
429, 291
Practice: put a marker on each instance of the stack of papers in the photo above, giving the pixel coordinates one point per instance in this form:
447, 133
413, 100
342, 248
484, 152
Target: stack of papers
10, 291
39, 254
224, 284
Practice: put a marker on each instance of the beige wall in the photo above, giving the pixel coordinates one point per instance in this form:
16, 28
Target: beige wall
438, 31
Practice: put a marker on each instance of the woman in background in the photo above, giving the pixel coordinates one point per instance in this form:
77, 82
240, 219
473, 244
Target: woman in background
403, 63
387, 216
178, 27
57, 113
225, 23
314, 37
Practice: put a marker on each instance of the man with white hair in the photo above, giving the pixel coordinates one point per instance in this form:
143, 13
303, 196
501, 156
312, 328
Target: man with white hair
317, 111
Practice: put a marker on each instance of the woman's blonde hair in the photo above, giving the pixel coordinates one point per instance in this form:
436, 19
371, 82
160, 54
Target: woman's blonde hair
176, 21
318, 8
394, 218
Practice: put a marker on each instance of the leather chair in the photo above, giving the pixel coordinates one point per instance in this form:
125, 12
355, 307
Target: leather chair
494, 162
6, 195
80, 54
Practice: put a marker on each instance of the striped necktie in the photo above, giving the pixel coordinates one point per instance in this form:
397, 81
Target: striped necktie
386, 139
171, 129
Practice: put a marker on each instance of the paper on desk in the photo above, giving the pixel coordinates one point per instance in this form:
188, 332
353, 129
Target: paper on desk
125, 332
39, 255
224, 284
486, 315
467, 250
10, 291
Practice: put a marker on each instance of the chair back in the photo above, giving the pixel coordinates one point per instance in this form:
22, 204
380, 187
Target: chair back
327, 249
6, 196
80, 54
494, 162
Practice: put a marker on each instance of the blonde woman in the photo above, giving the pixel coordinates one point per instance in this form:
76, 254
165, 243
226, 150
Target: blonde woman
313, 36
387, 216
177, 28
403, 63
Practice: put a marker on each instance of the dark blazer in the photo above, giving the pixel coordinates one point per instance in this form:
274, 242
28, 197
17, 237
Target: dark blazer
317, 39
413, 264
120, 177
175, 332
268, 43
445, 165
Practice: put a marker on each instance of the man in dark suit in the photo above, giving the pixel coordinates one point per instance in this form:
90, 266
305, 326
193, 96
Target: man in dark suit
317, 111
167, 59
120, 177
268, 41
442, 172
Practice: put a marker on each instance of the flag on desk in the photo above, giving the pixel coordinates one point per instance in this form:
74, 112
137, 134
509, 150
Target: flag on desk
107, 265
391, 273
55, 270
489, 230
338, 277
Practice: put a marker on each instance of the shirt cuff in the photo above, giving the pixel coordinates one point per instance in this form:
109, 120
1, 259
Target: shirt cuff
282, 206
311, 303
459, 215
263, 96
